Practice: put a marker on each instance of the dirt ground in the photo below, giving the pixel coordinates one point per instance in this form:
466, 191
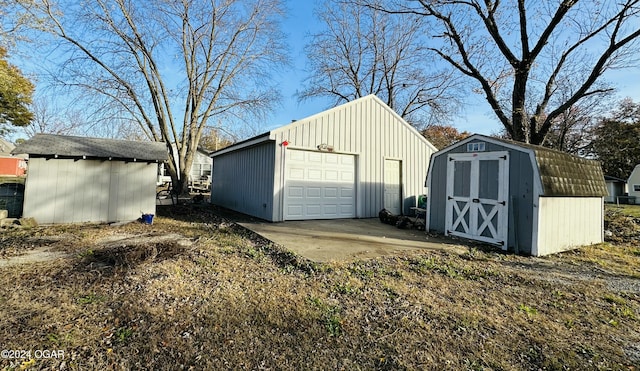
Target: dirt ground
196, 290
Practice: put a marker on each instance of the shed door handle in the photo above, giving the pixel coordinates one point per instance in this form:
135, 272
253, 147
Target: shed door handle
476, 200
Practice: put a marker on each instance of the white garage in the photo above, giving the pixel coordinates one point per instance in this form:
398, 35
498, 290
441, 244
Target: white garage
348, 162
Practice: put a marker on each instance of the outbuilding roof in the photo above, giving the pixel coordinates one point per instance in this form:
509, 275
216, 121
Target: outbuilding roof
50, 145
563, 174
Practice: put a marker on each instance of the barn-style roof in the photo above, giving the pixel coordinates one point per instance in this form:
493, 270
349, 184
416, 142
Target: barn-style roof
563, 174
63, 146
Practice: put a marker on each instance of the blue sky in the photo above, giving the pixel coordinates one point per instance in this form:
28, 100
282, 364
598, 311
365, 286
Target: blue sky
301, 22
477, 117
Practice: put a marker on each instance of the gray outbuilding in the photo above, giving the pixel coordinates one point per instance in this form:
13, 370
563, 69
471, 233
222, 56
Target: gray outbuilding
524, 198
77, 179
347, 162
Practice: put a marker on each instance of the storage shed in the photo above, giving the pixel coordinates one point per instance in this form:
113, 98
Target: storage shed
347, 162
524, 198
78, 179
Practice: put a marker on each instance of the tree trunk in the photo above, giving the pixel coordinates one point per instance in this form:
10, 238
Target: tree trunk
519, 113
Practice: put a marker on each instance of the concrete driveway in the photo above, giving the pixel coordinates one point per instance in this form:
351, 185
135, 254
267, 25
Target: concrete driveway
348, 239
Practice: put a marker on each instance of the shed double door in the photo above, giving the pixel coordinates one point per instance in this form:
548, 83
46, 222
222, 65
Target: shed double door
477, 191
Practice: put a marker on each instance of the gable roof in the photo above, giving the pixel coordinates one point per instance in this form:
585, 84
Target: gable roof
561, 174
50, 145
271, 135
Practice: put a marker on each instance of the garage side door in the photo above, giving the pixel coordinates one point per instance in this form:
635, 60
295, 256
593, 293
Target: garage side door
319, 185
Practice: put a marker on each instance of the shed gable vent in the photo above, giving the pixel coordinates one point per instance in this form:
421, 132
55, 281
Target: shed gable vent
475, 147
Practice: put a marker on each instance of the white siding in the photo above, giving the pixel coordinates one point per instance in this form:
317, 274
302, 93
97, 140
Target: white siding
201, 166
70, 191
568, 222
368, 128
634, 183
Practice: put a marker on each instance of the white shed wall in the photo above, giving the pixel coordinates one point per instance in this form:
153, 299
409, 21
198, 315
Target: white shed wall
71, 191
634, 183
568, 222
369, 129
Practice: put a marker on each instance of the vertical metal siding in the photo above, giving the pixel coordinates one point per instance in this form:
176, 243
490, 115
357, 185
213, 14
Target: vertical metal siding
243, 180
369, 129
568, 222
68, 191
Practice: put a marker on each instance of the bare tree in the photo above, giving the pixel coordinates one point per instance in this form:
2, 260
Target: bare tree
48, 117
573, 129
364, 51
170, 66
13, 19
529, 51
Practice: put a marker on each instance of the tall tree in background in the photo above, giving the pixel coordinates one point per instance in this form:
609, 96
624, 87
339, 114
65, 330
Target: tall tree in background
171, 66
442, 136
364, 51
15, 96
572, 131
13, 19
521, 53
213, 140
616, 140
54, 119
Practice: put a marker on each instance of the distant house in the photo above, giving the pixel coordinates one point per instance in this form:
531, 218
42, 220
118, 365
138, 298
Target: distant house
11, 165
200, 168
347, 162
78, 179
524, 198
616, 188
634, 185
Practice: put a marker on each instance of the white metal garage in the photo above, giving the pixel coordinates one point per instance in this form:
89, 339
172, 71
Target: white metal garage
348, 162
319, 185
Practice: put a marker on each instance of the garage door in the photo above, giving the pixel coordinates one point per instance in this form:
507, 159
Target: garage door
319, 185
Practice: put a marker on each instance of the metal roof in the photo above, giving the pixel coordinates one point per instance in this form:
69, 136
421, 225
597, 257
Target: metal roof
50, 145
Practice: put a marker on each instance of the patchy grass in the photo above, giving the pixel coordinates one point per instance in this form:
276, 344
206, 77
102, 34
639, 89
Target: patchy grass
628, 210
219, 297
622, 223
